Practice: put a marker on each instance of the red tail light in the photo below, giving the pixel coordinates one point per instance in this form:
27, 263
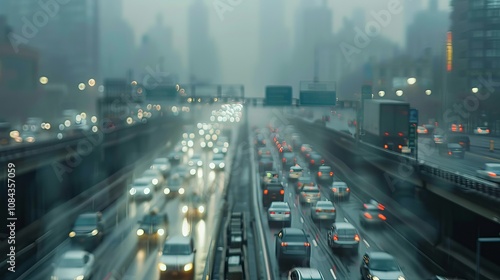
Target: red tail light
299, 184
281, 150
307, 244
382, 217
487, 131
266, 191
386, 146
319, 173
400, 147
312, 161
284, 244
400, 134
331, 174
318, 210
386, 133
356, 237
332, 211
492, 174
282, 191
287, 213
335, 237
347, 190
322, 161
272, 212
368, 215
381, 206
449, 153
283, 159
334, 189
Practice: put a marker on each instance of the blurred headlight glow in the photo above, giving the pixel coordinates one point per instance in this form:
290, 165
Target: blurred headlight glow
188, 267
154, 181
95, 232
201, 209
162, 266
132, 191
140, 232
184, 209
147, 191
72, 234
181, 191
166, 191
161, 231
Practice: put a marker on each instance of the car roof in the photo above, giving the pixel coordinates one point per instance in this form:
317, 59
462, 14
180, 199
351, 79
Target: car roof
339, 184
311, 188
343, 225
142, 180
85, 215
75, 254
178, 239
380, 255
325, 202
279, 203
309, 273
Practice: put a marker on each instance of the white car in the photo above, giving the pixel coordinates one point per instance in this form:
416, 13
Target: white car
177, 258
161, 164
481, 130
217, 162
490, 172
141, 188
74, 265
295, 172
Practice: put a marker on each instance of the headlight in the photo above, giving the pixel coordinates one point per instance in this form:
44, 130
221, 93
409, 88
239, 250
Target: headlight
190, 143
184, 209
53, 278
184, 149
147, 191
161, 231
212, 165
72, 234
201, 209
375, 278
154, 181
181, 191
221, 165
162, 266
163, 167
140, 232
224, 150
203, 144
94, 232
192, 171
79, 277
200, 163
216, 150
401, 277
188, 267
132, 191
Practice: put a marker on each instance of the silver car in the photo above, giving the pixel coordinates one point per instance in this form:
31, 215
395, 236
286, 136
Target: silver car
323, 210
490, 172
141, 188
280, 212
340, 190
161, 164
343, 235
74, 265
155, 176
309, 194
177, 258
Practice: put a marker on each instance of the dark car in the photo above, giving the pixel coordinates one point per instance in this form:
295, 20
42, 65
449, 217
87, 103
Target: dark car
260, 140
267, 177
273, 191
315, 160
452, 150
292, 246
265, 163
152, 226
380, 265
194, 206
463, 140
288, 160
88, 228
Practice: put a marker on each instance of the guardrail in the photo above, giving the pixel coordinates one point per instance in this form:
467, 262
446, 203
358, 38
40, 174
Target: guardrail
235, 266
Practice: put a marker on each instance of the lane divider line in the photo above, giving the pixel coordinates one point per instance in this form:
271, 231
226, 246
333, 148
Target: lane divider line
333, 274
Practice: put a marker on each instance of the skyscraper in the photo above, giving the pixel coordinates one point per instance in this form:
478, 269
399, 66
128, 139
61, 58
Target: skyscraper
203, 64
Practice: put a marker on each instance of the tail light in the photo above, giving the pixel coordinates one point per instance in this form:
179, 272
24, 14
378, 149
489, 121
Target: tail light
436, 139
381, 206
318, 210
449, 153
319, 173
283, 159
400, 134
347, 190
382, 217
272, 212
282, 191
287, 213
284, 244
385, 146
291, 170
487, 131
299, 184
281, 150
266, 191
322, 161
332, 211
356, 237
368, 215
386, 133
331, 174
307, 244
335, 237
334, 189
312, 161
400, 147
492, 174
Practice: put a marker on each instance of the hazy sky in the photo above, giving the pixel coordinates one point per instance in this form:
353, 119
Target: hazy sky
236, 32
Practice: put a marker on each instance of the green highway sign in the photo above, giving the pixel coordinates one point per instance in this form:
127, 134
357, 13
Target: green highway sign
278, 96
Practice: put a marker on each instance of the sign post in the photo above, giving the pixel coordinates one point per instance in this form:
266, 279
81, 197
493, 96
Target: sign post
366, 93
412, 132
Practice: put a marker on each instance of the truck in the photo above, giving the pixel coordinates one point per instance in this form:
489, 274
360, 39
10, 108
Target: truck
386, 124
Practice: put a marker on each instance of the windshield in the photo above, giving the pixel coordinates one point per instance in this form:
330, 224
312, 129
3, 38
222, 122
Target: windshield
495, 169
176, 249
86, 221
161, 161
71, 263
383, 265
140, 184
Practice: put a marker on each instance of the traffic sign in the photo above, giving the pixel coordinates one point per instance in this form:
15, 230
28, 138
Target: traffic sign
413, 118
318, 93
278, 96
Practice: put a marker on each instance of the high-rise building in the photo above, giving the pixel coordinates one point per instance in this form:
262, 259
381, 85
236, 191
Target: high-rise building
273, 44
475, 65
427, 31
203, 64
117, 42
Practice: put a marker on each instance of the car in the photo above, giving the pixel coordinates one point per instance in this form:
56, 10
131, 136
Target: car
175, 157
481, 130
344, 236
74, 264
305, 149
260, 140
220, 148
296, 141
141, 188
195, 160
304, 180
340, 190
280, 212
152, 226
161, 164
155, 176
463, 140
273, 191
454, 150
372, 213
422, 130
88, 228
430, 128
194, 206
263, 151
295, 172
324, 174
182, 170
380, 265
315, 160
177, 258
174, 186
305, 273
266, 163
309, 194
438, 139
288, 160
217, 162
490, 172
323, 211
292, 246
267, 177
